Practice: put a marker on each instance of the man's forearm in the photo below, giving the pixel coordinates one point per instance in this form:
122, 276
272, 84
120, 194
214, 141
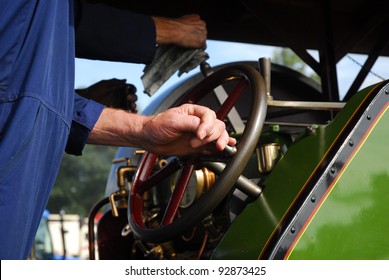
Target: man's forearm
117, 128
181, 130
188, 31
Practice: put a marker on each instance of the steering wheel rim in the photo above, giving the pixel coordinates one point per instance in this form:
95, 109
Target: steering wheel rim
224, 183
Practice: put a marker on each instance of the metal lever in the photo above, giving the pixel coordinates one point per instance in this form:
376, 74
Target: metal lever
230, 150
264, 65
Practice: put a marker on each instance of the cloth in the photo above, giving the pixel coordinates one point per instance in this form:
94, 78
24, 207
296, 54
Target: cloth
168, 60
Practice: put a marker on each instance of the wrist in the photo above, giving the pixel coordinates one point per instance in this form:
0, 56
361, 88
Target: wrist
166, 31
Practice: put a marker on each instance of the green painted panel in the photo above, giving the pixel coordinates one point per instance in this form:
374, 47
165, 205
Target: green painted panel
353, 221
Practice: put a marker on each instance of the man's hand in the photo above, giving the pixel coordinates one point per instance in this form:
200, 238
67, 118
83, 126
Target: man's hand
188, 31
186, 129
182, 130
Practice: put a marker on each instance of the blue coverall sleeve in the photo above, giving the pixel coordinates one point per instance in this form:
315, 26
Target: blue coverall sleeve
86, 114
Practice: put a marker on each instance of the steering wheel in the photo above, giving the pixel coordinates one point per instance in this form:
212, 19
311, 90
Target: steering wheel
171, 224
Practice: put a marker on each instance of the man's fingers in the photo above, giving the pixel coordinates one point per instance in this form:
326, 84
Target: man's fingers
209, 124
206, 126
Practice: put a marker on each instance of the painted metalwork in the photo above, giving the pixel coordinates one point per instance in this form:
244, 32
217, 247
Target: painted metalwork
350, 220
333, 168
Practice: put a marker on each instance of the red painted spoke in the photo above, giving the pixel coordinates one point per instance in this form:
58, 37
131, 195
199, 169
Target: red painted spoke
231, 100
145, 168
178, 193
147, 181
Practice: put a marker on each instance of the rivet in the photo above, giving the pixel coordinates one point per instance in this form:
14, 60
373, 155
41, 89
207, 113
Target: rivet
368, 117
332, 170
386, 91
313, 199
292, 230
351, 143
310, 129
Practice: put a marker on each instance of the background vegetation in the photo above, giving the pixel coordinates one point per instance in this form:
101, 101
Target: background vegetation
286, 57
81, 180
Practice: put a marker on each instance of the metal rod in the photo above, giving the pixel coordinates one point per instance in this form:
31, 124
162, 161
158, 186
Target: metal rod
290, 124
311, 105
243, 184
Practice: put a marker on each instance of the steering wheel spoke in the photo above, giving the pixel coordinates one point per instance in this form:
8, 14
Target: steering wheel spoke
232, 98
178, 193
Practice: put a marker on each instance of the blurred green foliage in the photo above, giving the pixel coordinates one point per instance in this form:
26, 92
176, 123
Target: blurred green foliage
81, 180
288, 58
